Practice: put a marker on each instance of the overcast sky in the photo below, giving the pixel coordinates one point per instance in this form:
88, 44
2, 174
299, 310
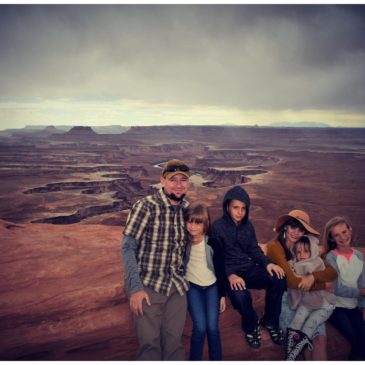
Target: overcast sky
181, 64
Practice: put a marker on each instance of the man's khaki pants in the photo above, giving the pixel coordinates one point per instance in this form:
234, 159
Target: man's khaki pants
160, 329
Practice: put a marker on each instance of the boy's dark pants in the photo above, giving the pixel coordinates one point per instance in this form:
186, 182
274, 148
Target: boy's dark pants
258, 278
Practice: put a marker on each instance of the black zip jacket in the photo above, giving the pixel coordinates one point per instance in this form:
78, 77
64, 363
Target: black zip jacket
239, 243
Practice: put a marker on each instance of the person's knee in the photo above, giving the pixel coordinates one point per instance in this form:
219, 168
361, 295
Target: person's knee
283, 285
199, 327
278, 283
239, 295
213, 331
213, 325
198, 333
147, 328
149, 339
320, 341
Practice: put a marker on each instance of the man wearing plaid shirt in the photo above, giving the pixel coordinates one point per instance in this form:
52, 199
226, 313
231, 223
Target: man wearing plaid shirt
152, 253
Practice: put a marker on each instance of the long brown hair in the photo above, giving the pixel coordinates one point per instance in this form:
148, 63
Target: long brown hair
292, 222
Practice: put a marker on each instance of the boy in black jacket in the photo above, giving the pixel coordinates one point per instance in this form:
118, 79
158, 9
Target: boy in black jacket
247, 267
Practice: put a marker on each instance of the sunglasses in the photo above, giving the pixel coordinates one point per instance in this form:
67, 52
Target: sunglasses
175, 168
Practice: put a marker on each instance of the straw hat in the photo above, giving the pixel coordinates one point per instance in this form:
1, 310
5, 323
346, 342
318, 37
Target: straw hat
300, 216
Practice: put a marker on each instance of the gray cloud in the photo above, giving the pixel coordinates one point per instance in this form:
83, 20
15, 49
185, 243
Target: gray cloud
268, 57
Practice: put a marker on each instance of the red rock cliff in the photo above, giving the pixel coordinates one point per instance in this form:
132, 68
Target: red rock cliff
62, 298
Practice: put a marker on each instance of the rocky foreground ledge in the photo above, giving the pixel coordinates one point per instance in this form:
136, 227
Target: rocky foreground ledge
62, 298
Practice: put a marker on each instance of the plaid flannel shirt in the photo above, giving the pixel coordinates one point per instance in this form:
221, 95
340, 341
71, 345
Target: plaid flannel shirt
159, 228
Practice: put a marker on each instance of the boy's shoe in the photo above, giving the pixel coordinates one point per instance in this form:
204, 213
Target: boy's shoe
276, 334
254, 338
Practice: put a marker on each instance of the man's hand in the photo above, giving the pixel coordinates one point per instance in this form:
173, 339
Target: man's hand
222, 304
236, 282
306, 282
276, 269
136, 300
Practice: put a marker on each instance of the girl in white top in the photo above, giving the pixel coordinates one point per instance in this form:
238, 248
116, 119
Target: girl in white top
349, 314
205, 273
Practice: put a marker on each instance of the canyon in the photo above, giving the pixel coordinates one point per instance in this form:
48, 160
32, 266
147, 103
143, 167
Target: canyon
65, 198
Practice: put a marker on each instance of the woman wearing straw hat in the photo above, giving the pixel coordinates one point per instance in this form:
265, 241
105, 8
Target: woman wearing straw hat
290, 228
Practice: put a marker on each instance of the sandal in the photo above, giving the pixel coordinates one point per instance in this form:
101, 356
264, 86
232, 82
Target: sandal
254, 338
276, 334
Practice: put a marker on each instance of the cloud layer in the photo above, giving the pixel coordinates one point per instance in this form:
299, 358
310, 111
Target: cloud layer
248, 57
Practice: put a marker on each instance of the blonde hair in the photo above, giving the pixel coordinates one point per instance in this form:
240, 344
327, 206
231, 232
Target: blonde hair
198, 212
328, 242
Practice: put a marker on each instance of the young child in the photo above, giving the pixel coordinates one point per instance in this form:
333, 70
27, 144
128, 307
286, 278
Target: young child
247, 267
349, 314
208, 283
312, 307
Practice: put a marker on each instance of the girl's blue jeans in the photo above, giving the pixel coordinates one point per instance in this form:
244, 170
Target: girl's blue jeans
203, 305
